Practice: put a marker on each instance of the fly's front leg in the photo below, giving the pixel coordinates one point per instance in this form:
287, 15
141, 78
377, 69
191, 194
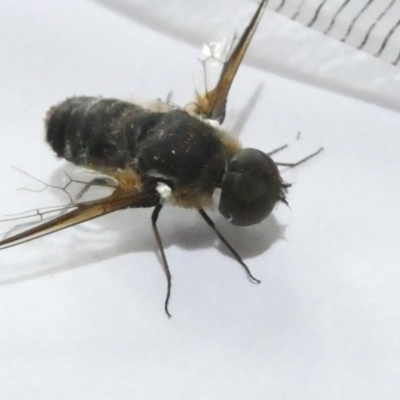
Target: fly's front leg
277, 150
295, 164
232, 250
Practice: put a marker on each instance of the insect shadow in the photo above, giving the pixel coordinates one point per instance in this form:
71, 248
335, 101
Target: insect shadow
179, 227
128, 232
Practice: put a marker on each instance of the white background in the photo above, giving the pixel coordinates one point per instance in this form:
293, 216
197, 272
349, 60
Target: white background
81, 311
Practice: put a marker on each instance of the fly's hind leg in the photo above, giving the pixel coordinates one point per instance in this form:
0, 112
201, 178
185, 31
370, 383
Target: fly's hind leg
154, 218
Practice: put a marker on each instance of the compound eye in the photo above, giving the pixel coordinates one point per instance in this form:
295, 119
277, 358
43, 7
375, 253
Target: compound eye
250, 188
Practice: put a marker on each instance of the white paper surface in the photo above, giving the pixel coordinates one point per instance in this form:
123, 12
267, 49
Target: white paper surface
81, 311
285, 46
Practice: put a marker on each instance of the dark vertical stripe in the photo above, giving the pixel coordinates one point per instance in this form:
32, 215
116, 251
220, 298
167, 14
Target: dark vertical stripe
396, 61
296, 14
336, 15
281, 5
366, 37
350, 28
317, 11
387, 38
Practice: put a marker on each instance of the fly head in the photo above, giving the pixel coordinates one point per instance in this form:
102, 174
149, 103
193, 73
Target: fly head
251, 187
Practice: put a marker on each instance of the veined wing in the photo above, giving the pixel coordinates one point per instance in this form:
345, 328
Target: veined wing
85, 211
213, 104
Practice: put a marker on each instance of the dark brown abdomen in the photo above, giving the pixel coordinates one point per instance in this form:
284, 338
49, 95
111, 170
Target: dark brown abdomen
90, 130
111, 133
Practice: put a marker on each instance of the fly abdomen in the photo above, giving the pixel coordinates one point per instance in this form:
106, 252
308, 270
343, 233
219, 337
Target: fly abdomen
115, 134
90, 130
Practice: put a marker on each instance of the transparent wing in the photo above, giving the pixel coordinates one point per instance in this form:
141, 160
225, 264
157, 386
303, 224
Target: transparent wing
77, 213
212, 105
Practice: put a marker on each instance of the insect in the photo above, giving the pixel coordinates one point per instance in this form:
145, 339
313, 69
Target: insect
170, 155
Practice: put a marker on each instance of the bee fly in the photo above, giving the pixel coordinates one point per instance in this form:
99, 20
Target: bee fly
169, 154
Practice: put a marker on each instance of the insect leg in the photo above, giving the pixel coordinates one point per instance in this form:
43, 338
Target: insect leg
154, 218
277, 150
233, 251
292, 165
